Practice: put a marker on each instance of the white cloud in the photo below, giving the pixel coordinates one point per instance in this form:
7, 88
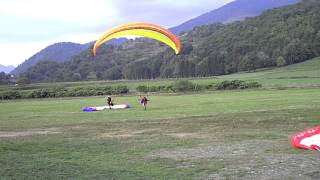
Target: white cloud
27, 26
14, 53
65, 10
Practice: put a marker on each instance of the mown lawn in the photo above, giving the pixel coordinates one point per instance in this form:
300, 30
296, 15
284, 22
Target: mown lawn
222, 134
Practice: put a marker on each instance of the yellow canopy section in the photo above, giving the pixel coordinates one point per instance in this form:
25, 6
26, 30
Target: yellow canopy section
141, 29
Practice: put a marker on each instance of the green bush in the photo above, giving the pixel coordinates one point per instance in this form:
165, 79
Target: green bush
36, 94
179, 86
236, 84
208, 86
142, 88
106, 90
162, 88
63, 92
10, 95
120, 90
254, 85
170, 88
81, 92
153, 89
145, 89
183, 85
198, 87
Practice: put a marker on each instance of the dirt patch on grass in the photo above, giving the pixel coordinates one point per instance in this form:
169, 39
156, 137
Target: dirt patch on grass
266, 166
286, 166
186, 135
127, 133
204, 152
29, 132
246, 160
112, 133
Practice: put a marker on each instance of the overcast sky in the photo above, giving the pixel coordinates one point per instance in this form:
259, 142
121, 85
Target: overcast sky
28, 26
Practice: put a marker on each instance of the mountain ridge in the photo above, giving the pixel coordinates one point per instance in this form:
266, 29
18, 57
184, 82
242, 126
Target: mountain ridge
58, 52
231, 12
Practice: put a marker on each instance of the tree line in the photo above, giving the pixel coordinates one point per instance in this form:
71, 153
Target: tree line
5, 78
176, 87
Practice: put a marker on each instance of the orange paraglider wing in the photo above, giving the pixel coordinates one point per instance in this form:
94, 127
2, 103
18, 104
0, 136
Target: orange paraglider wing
141, 29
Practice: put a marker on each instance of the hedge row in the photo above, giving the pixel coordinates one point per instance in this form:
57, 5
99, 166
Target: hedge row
63, 92
181, 86
237, 84
178, 86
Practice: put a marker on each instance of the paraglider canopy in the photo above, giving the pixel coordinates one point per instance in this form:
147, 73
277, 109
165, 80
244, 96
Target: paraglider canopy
141, 29
308, 139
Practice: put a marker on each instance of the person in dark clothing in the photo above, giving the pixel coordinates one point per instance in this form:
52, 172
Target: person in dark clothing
144, 101
109, 102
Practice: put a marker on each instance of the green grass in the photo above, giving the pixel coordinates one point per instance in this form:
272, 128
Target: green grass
308, 69
184, 137
60, 112
297, 75
212, 135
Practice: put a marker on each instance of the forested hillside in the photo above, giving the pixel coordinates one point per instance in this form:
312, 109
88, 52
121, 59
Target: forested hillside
278, 37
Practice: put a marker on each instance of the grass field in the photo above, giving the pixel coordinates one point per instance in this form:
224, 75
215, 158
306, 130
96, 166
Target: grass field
212, 135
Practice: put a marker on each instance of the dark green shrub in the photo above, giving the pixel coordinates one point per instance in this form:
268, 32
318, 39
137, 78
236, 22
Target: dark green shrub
236, 84
153, 89
162, 88
198, 87
254, 85
107, 90
61, 93
183, 85
10, 95
36, 93
208, 87
170, 88
70, 93
120, 89
142, 88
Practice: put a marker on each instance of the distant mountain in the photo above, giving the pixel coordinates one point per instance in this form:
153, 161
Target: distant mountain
6, 69
58, 52
234, 11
